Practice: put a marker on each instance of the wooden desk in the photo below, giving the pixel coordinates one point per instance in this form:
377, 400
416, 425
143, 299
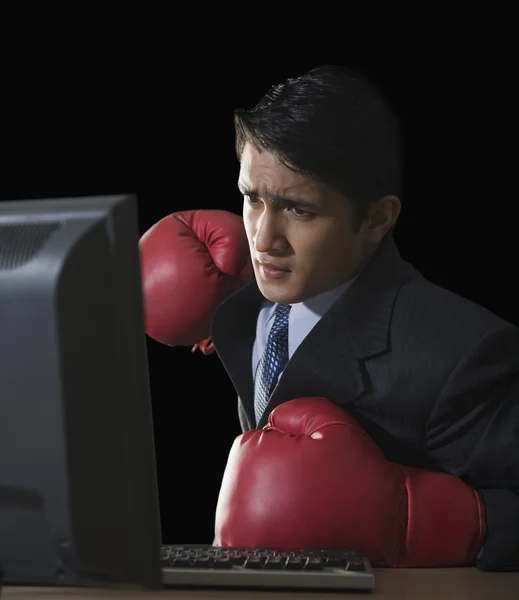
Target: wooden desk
392, 584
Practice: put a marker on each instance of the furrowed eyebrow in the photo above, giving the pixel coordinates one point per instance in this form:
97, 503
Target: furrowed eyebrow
280, 200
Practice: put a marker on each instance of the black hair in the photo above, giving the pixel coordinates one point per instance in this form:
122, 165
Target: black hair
333, 124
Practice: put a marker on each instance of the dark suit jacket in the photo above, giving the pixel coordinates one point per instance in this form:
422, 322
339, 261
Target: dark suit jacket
431, 376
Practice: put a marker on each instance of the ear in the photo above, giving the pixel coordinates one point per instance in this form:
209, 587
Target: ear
382, 216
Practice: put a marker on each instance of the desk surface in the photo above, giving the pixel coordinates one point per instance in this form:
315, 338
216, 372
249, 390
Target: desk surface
401, 584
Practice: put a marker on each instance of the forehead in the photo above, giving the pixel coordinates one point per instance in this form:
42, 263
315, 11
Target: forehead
262, 170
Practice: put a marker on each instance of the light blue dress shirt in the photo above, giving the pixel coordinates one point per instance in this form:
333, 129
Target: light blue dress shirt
304, 316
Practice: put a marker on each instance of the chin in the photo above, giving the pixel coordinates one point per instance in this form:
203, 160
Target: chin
278, 294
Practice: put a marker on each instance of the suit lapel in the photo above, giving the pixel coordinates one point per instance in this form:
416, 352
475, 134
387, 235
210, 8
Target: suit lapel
233, 331
328, 362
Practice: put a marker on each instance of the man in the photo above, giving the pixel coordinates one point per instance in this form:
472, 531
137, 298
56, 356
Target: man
431, 377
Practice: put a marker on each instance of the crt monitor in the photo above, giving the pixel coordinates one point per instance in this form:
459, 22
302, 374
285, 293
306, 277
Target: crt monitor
78, 483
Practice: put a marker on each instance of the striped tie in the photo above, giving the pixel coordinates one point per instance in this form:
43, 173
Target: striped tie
273, 361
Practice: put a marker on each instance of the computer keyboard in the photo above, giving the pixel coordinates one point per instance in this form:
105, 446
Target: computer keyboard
213, 566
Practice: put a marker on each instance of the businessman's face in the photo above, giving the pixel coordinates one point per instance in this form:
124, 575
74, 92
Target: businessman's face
304, 236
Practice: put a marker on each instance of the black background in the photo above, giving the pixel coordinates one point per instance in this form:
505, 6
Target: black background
156, 120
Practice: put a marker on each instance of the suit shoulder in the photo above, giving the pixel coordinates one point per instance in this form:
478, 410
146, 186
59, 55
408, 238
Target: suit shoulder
446, 314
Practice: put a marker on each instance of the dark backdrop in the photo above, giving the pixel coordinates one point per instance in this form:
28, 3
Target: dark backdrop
164, 131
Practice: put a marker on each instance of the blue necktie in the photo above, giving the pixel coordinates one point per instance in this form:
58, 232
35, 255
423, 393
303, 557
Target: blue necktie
273, 361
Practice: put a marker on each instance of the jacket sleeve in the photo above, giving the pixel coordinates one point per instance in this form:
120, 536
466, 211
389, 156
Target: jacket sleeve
473, 432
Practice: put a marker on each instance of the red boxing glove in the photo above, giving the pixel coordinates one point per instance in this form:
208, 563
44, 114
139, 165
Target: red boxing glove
313, 479
190, 262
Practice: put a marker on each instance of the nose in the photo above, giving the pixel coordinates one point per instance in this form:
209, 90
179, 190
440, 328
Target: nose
269, 236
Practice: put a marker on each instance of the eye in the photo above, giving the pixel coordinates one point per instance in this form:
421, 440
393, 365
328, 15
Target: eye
302, 214
251, 199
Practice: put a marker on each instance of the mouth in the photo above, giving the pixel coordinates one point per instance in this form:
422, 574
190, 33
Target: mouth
272, 271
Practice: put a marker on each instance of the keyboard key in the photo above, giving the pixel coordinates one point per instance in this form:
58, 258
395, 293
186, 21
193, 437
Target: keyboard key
203, 562
237, 558
315, 563
254, 562
295, 563
222, 562
275, 562
355, 565
336, 561
180, 561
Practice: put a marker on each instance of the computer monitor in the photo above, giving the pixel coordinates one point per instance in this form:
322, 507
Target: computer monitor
78, 483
